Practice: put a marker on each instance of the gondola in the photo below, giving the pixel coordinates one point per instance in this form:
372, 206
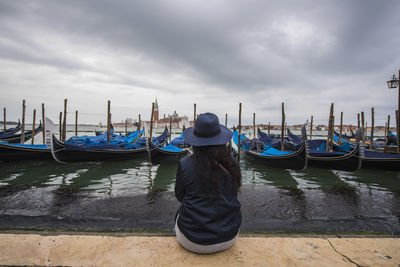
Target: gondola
19, 152
270, 156
380, 161
76, 153
340, 159
12, 130
16, 138
168, 153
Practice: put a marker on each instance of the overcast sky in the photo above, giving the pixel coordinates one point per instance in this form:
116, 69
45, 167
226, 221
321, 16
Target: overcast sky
213, 53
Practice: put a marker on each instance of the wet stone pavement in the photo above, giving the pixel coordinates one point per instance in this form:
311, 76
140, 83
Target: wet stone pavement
136, 196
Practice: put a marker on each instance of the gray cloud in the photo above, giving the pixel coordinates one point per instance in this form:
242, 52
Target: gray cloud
261, 52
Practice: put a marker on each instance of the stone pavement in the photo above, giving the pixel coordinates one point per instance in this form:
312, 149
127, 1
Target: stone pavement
125, 249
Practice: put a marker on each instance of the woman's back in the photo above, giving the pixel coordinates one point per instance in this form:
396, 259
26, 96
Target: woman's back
207, 215
206, 184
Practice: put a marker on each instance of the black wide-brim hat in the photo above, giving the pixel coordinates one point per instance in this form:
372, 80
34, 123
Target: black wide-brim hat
207, 132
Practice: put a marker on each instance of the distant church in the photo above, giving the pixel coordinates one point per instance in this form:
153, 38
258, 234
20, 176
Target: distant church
177, 122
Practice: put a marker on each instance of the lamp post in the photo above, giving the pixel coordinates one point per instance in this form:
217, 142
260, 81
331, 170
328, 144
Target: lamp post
392, 84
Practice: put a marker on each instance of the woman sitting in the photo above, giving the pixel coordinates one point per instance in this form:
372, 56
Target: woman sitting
207, 183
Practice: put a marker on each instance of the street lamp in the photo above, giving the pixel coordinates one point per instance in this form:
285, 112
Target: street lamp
392, 84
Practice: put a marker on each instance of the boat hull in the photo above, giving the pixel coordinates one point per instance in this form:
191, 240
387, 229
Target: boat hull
380, 161
348, 162
9, 153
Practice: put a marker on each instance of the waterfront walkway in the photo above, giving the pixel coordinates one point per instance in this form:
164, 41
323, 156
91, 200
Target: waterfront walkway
122, 249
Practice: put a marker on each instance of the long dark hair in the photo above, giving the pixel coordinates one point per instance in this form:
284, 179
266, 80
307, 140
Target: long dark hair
210, 160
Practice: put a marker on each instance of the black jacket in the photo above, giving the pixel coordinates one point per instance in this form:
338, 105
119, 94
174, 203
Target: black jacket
206, 216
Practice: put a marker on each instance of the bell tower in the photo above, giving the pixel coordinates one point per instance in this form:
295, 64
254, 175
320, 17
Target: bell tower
156, 118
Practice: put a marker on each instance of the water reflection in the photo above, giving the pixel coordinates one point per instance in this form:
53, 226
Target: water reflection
107, 177
96, 177
256, 173
139, 176
162, 180
165, 178
374, 179
313, 178
276, 193
16, 177
136, 194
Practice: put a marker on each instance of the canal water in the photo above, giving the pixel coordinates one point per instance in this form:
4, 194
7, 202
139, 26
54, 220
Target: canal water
134, 195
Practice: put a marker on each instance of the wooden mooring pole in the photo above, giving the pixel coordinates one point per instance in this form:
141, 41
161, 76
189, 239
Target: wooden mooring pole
108, 121
358, 121
33, 126
330, 129
341, 126
23, 122
140, 125
43, 125
76, 123
311, 126
332, 133
362, 126
60, 126
4, 120
371, 146
226, 119
170, 128
269, 128
283, 128
64, 128
240, 130
254, 125
126, 127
